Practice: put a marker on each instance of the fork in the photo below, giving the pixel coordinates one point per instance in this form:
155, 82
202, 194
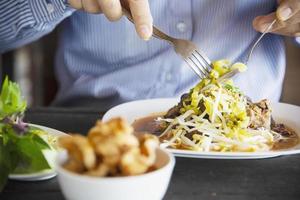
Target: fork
236, 71
189, 52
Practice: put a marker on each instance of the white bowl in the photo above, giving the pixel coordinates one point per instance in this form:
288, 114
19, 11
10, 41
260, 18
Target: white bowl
152, 185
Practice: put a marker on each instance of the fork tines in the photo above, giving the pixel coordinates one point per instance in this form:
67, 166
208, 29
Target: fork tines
199, 63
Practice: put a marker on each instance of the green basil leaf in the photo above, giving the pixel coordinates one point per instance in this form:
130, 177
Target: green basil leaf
32, 158
8, 161
4, 167
5, 90
40, 142
11, 101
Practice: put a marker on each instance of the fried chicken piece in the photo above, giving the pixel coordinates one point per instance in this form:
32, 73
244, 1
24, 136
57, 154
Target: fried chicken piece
148, 145
111, 138
110, 149
137, 160
101, 170
80, 150
74, 165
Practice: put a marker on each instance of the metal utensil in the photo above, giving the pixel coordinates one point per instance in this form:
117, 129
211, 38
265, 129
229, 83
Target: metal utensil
234, 72
196, 59
259, 39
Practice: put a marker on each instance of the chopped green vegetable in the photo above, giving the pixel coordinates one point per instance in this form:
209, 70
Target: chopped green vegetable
216, 113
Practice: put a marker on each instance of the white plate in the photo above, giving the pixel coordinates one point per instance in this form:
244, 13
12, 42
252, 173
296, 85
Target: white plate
282, 113
42, 175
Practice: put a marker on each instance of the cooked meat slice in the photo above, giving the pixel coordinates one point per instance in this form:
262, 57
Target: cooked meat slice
273, 123
190, 134
260, 114
175, 111
283, 130
290, 137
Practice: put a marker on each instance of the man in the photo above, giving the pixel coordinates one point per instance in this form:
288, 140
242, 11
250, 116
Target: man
102, 64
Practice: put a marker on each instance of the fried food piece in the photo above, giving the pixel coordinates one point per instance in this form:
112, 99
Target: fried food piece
80, 150
74, 166
132, 164
101, 170
148, 145
139, 160
110, 149
117, 129
112, 138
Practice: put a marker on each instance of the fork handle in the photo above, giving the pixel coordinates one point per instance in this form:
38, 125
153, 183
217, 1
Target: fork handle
156, 32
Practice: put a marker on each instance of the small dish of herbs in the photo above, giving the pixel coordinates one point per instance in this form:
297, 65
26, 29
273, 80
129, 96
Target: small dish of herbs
27, 151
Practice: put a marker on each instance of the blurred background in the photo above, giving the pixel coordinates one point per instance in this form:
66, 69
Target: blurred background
32, 66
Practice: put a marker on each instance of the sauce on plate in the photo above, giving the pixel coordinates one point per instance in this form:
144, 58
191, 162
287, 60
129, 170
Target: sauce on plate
148, 124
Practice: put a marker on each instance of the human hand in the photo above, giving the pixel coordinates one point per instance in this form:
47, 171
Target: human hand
112, 9
288, 19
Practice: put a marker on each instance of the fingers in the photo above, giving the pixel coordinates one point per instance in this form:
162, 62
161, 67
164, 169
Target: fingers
292, 31
91, 6
288, 19
287, 9
142, 17
290, 27
75, 4
261, 23
111, 8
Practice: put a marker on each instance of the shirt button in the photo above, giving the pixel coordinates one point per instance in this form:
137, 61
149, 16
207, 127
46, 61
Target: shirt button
181, 27
50, 8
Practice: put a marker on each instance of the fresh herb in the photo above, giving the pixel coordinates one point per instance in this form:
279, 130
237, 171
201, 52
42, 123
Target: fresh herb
232, 88
21, 146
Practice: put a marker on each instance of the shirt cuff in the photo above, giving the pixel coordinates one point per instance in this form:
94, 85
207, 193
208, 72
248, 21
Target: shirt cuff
49, 10
24, 21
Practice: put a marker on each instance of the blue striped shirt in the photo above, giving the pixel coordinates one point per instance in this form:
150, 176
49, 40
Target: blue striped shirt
97, 58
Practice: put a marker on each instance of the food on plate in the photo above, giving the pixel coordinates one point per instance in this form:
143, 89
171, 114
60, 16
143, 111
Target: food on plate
24, 149
216, 116
110, 149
